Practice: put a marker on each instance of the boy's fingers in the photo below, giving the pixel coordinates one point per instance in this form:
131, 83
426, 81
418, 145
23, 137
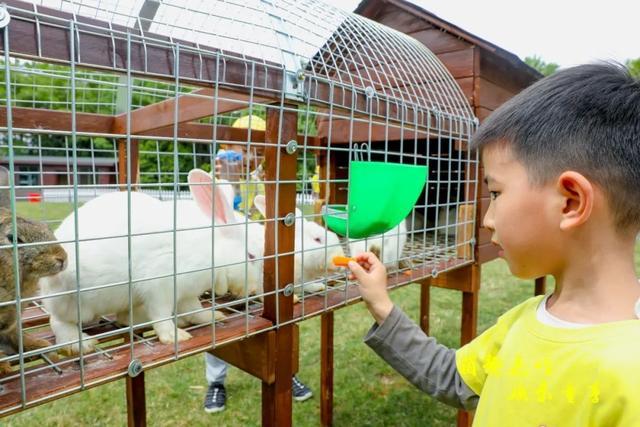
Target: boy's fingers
356, 269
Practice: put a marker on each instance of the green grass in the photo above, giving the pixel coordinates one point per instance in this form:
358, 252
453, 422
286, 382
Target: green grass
367, 391
44, 211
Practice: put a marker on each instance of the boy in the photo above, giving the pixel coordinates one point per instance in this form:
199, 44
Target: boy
562, 162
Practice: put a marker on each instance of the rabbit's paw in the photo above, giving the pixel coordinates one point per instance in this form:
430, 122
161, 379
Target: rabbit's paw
314, 287
88, 346
205, 317
169, 338
5, 368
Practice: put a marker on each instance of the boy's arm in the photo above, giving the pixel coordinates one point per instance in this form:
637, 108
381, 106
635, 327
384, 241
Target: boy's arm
420, 359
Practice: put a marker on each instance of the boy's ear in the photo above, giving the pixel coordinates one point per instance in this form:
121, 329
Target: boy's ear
578, 196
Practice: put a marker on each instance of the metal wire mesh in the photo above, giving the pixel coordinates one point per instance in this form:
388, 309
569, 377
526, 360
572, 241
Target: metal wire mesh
103, 135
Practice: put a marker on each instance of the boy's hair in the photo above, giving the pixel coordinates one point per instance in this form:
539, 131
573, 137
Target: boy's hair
584, 118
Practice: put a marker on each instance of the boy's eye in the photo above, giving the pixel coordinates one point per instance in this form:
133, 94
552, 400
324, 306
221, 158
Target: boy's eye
493, 194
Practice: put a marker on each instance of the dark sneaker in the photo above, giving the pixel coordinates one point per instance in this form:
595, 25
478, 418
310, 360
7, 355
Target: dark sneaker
215, 399
300, 391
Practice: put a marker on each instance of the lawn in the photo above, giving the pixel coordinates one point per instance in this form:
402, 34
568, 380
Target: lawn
367, 391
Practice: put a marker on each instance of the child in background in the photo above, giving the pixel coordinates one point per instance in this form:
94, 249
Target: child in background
562, 163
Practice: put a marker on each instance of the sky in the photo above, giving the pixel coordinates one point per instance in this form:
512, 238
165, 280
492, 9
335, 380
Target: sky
567, 32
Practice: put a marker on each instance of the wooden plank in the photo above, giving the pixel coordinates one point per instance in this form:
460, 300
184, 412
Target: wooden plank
344, 131
490, 95
280, 167
470, 303
486, 253
425, 305
253, 355
40, 118
104, 45
469, 322
460, 279
464, 419
459, 62
482, 113
326, 369
123, 155
439, 41
513, 77
136, 404
46, 385
397, 19
467, 87
194, 106
464, 230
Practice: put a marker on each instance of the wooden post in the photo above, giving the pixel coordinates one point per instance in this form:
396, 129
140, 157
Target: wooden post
469, 326
122, 163
326, 369
540, 286
425, 304
331, 194
136, 405
281, 127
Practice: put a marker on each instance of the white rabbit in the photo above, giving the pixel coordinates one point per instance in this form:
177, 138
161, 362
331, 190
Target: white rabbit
388, 246
106, 261
315, 247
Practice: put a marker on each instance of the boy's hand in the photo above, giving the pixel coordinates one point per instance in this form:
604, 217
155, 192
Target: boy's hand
372, 275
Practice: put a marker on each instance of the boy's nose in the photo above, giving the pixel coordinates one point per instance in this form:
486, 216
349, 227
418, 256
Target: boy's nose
487, 221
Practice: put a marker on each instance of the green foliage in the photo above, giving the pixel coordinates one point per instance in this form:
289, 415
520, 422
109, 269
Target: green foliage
543, 67
47, 86
634, 67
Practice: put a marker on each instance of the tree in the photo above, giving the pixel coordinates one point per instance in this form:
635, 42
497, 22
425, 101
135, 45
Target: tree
543, 67
634, 67
48, 86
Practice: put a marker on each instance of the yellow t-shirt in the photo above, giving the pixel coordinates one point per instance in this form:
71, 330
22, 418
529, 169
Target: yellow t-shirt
531, 374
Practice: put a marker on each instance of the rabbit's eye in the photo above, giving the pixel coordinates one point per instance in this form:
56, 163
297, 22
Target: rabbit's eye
318, 240
10, 238
251, 256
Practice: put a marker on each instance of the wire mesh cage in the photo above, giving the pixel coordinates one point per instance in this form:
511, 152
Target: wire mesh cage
174, 160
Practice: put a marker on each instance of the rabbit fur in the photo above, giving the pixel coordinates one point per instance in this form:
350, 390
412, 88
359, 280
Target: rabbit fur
315, 247
106, 261
388, 246
34, 262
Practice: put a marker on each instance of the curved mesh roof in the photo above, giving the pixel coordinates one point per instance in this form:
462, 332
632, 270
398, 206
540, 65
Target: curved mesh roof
306, 35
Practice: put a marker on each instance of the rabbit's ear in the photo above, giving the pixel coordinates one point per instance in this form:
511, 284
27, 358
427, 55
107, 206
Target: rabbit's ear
201, 187
5, 195
260, 203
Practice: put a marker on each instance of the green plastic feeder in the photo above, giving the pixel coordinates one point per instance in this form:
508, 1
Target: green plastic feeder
380, 196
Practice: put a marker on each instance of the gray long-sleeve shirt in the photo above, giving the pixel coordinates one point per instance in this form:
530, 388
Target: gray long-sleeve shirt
420, 359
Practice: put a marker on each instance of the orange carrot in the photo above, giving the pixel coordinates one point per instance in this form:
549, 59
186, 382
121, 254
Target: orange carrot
342, 261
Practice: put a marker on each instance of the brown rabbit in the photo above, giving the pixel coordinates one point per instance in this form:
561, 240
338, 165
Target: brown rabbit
34, 262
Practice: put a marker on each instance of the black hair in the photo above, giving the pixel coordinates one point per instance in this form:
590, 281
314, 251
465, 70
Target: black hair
585, 118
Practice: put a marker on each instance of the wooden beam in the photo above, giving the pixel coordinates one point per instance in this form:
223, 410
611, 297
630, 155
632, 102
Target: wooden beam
280, 169
40, 118
193, 106
253, 354
44, 34
326, 369
425, 305
136, 401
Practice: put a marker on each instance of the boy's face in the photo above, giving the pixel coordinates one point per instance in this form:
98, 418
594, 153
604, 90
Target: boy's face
521, 216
